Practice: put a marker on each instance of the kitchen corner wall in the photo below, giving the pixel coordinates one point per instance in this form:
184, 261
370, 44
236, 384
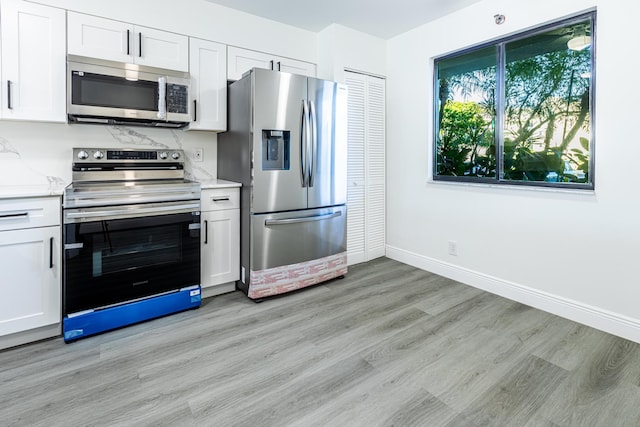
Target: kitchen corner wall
573, 253
341, 48
41, 153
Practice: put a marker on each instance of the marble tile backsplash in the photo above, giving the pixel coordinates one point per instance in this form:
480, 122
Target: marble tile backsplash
36, 154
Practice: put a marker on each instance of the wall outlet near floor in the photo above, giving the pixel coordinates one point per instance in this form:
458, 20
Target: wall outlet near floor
453, 248
198, 154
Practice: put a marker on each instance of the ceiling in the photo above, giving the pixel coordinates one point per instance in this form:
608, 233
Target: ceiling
381, 18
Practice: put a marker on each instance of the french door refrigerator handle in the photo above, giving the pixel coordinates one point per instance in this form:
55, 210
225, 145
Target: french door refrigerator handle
268, 222
313, 149
304, 142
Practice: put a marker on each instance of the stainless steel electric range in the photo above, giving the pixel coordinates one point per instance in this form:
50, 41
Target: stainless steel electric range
131, 239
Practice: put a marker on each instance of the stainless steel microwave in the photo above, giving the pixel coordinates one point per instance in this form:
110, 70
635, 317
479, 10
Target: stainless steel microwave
108, 92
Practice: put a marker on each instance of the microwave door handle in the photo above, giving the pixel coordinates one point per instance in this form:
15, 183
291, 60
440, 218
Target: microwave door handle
162, 98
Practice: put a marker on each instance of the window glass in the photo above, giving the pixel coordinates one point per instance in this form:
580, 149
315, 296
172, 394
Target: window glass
546, 109
518, 110
466, 115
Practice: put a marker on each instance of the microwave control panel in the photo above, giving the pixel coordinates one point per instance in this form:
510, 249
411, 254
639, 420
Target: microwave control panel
177, 98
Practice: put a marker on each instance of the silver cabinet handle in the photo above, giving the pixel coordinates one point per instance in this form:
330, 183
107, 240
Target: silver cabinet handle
278, 65
128, 42
206, 232
271, 64
14, 215
268, 222
140, 44
221, 199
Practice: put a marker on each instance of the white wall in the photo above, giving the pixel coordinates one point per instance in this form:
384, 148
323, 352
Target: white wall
573, 253
341, 48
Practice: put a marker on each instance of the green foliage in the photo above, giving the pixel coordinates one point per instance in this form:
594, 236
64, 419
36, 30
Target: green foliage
466, 136
547, 101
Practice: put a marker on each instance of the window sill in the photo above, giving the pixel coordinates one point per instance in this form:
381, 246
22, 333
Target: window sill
511, 187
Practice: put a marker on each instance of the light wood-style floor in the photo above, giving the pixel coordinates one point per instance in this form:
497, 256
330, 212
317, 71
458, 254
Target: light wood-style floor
389, 345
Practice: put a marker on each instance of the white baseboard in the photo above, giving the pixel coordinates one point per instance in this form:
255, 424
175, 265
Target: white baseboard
595, 317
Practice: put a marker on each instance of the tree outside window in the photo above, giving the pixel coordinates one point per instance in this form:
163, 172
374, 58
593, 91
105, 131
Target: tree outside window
519, 111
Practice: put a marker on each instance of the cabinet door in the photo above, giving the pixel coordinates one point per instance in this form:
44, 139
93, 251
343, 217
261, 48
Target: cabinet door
293, 66
365, 167
30, 280
155, 48
99, 38
33, 62
239, 61
220, 247
208, 65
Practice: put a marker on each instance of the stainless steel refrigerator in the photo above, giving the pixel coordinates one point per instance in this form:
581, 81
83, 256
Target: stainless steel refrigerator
287, 144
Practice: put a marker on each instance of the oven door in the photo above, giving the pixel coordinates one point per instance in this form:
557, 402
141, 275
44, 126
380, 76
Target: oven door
111, 261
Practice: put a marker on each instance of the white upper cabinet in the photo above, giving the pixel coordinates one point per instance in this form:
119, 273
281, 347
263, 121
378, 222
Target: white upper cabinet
155, 48
242, 60
33, 62
99, 38
102, 38
208, 65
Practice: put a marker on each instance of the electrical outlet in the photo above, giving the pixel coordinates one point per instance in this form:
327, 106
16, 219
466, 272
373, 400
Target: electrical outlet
453, 248
198, 154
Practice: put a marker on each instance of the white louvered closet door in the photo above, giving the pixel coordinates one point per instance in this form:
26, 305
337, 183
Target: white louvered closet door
366, 168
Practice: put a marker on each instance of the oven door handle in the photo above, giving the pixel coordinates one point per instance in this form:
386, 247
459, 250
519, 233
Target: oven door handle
132, 212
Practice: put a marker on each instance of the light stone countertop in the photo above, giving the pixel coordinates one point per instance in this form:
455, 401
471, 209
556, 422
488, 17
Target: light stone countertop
218, 183
36, 190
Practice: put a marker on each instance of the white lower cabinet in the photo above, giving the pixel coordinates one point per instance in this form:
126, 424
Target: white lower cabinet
31, 265
220, 244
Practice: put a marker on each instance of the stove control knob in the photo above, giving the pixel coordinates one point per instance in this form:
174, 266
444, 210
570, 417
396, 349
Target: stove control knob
83, 155
175, 155
98, 155
163, 155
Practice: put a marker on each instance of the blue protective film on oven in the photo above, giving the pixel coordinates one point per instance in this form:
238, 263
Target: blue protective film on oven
94, 322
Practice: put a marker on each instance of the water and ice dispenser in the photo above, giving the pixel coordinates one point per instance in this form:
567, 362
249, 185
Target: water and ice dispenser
275, 149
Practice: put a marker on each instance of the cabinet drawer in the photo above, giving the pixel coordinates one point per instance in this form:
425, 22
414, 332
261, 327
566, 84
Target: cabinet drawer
218, 199
29, 212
